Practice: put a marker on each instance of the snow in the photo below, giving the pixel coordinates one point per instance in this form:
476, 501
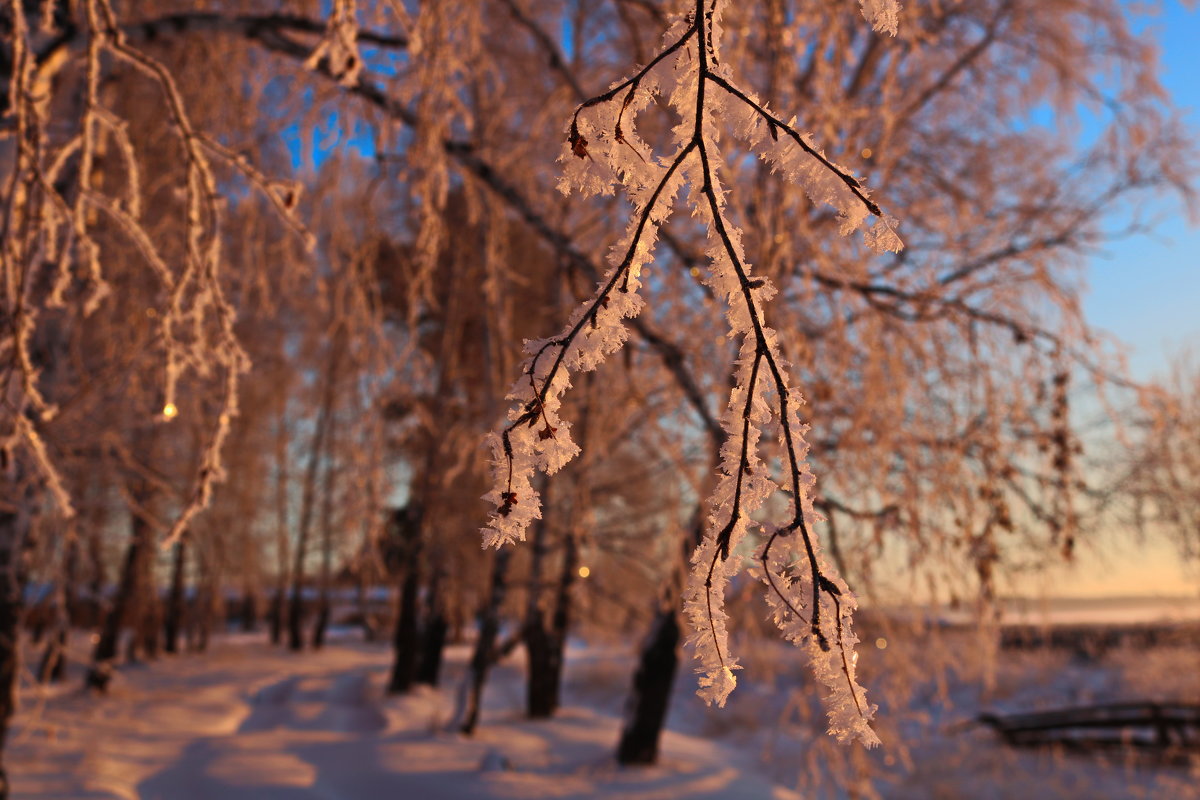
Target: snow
250, 721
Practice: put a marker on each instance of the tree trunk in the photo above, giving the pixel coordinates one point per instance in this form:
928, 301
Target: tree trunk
433, 636
405, 639
150, 616
651, 692
546, 647
651, 696
249, 610
278, 599
409, 522
209, 605
10, 614
542, 677
485, 645
100, 672
140, 610
550, 687
541, 692
296, 603
276, 613
328, 486
419, 657
308, 495
173, 623
322, 623
99, 578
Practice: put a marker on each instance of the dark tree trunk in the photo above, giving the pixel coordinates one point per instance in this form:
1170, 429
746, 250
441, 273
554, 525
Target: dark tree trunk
137, 609
10, 612
278, 598
276, 614
100, 672
544, 671
98, 577
409, 645
327, 492
150, 616
541, 690
551, 666
647, 705
405, 640
433, 644
546, 646
10, 620
433, 635
296, 603
207, 606
405, 637
322, 624
308, 494
485, 645
651, 692
249, 611
133, 639
145, 618
173, 624
419, 647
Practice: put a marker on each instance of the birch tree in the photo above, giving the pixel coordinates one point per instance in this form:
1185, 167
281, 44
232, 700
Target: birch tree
1159, 487
937, 380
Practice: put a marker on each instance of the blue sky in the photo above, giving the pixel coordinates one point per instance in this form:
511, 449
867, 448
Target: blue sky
1146, 289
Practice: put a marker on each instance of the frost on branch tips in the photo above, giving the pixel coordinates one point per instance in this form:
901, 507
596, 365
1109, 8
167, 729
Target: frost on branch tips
811, 604
67, 226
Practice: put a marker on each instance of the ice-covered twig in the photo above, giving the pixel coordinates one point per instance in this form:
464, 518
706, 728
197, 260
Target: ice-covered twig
601, 147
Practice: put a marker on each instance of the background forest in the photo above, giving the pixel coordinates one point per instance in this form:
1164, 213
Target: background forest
269, 271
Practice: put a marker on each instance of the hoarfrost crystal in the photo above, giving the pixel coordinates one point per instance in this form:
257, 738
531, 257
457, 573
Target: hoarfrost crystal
810, 603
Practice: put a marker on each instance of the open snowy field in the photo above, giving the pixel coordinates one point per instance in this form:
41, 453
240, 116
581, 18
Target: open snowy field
250, 721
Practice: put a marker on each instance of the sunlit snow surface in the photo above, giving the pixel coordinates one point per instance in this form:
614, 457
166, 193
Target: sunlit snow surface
251, 721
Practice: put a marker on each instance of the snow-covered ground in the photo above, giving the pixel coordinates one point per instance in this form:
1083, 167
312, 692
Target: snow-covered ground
250, 721
254, 722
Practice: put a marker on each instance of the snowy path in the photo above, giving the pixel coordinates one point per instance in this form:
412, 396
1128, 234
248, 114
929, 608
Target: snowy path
250, 722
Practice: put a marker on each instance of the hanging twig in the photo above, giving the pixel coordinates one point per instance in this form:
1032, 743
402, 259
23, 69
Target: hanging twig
596, 329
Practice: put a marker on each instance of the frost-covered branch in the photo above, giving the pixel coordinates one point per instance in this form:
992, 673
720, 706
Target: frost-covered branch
604, 150
51, 233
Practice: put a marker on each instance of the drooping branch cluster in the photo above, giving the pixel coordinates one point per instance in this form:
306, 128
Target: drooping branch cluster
54, 203
811, 604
